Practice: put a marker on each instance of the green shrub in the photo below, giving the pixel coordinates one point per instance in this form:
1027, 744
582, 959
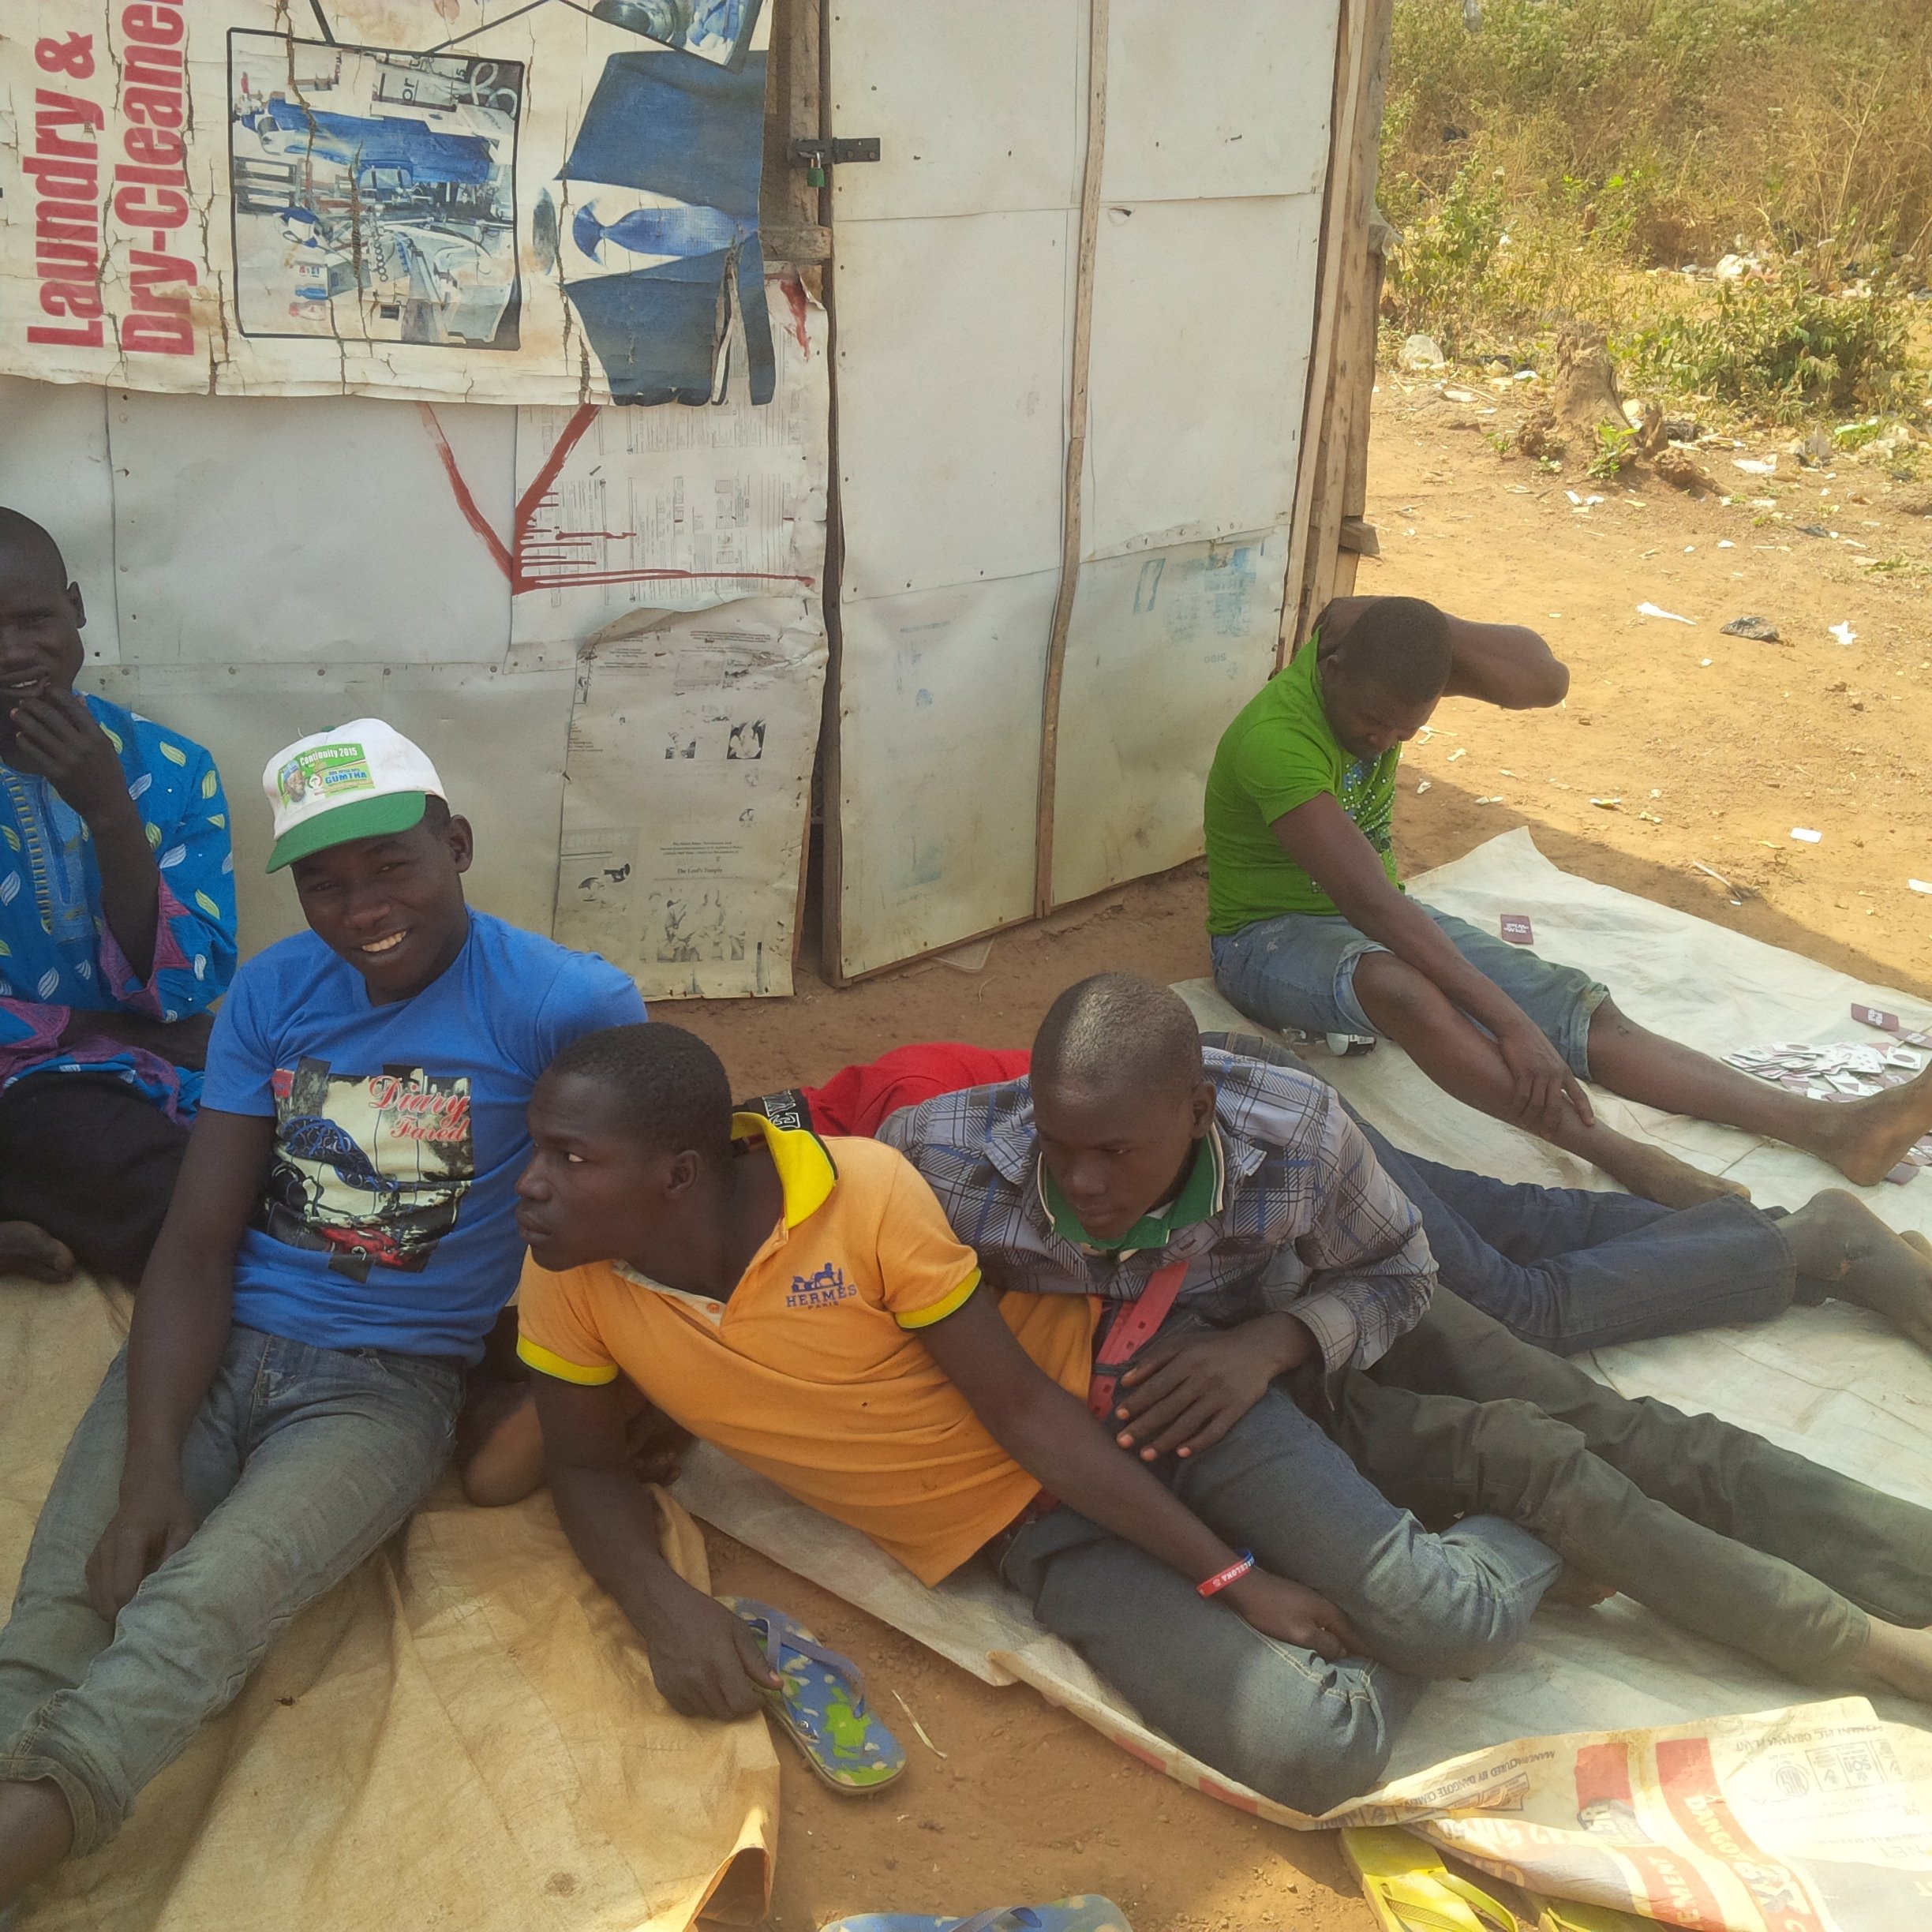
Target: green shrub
1541, 167
1780, 345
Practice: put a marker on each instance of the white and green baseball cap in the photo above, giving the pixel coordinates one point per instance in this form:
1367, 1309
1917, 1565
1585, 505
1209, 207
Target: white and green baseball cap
360, 780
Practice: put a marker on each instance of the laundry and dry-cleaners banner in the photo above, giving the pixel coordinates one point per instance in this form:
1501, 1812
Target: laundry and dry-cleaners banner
482, 199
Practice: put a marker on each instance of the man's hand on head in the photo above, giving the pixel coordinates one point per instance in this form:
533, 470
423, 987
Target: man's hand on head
57, 738
1186, 1392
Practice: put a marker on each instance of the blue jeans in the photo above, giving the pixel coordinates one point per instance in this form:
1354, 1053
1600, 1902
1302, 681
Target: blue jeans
1574, 1268
300, 1461
1299, 970
1301, 1731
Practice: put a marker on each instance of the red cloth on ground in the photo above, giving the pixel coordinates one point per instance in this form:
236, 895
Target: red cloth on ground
856, 1098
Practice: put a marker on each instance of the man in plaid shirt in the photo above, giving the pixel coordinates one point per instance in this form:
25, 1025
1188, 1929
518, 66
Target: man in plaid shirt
1306, 1260
1285, 1206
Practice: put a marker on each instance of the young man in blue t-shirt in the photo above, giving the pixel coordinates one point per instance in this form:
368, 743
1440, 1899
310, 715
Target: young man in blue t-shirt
342, 1237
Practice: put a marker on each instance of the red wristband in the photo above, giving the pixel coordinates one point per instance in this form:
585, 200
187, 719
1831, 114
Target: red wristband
1232, 1574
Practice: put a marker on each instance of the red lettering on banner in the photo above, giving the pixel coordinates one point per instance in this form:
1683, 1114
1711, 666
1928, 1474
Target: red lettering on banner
64, 169
159, 335
156, 26
155, 146
157, 106
151, 270
73, 55
147, 186
151, 182
70, 298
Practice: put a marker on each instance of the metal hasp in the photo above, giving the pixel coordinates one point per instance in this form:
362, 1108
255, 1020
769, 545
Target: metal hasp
818, 155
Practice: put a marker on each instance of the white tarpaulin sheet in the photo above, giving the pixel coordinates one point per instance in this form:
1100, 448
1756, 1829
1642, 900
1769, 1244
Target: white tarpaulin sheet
519, 200
1834, 1382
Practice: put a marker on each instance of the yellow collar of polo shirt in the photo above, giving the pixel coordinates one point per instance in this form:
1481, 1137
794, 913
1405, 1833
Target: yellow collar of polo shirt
806, 1171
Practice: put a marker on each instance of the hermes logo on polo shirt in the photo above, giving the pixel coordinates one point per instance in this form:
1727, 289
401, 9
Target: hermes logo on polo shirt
821, 1290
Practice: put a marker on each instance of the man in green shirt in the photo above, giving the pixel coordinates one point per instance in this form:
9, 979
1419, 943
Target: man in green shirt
1311, 928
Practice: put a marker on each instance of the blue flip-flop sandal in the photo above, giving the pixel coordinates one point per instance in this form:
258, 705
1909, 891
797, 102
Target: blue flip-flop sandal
1086, 1913
822, 1703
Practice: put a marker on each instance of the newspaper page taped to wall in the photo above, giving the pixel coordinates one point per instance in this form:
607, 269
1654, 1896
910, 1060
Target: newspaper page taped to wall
635, 510
687, 795
486, 200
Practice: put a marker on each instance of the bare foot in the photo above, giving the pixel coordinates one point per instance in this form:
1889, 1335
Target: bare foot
1898, 1658
25, 1249
1865, 1140
1838, 1242
1656, 1175
499, 1451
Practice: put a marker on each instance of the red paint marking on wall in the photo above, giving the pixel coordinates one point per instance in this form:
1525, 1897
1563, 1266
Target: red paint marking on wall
464, 502
569, 580
537, 565
541, 484
794, 299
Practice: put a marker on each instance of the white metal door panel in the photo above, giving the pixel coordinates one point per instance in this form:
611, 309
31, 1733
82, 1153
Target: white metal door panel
324, 528
496, 741
54, 468
1204, 312
939, 763
1165, 647
978, 105
1232, 98
952, 369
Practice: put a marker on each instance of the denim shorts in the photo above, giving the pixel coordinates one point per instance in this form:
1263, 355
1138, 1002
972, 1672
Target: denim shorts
1299, 970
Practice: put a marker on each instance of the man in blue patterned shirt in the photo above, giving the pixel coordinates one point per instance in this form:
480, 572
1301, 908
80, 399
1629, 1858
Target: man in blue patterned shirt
117, 934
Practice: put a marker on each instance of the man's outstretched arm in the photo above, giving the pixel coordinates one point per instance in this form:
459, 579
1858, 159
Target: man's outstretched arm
1052, 1436
182, 1318
703, 1659
1328, 844
1505, 664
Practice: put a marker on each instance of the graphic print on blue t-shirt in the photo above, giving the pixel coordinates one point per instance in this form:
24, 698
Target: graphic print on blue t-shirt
372, 1167
388, 1217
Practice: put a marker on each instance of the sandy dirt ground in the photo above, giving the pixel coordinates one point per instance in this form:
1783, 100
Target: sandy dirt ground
1713, 748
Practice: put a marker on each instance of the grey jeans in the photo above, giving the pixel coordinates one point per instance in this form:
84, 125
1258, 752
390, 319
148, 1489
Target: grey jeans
1301, 1731
300, 1461
1709, 1525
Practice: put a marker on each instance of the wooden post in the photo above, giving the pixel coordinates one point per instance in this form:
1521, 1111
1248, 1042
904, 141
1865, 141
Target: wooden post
1355, 536
791, 225
1342, 362
1098, 17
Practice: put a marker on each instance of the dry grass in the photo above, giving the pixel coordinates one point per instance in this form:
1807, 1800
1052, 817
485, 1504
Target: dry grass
1544, 166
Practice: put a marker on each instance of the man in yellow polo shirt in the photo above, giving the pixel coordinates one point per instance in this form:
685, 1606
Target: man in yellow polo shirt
802, 1304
